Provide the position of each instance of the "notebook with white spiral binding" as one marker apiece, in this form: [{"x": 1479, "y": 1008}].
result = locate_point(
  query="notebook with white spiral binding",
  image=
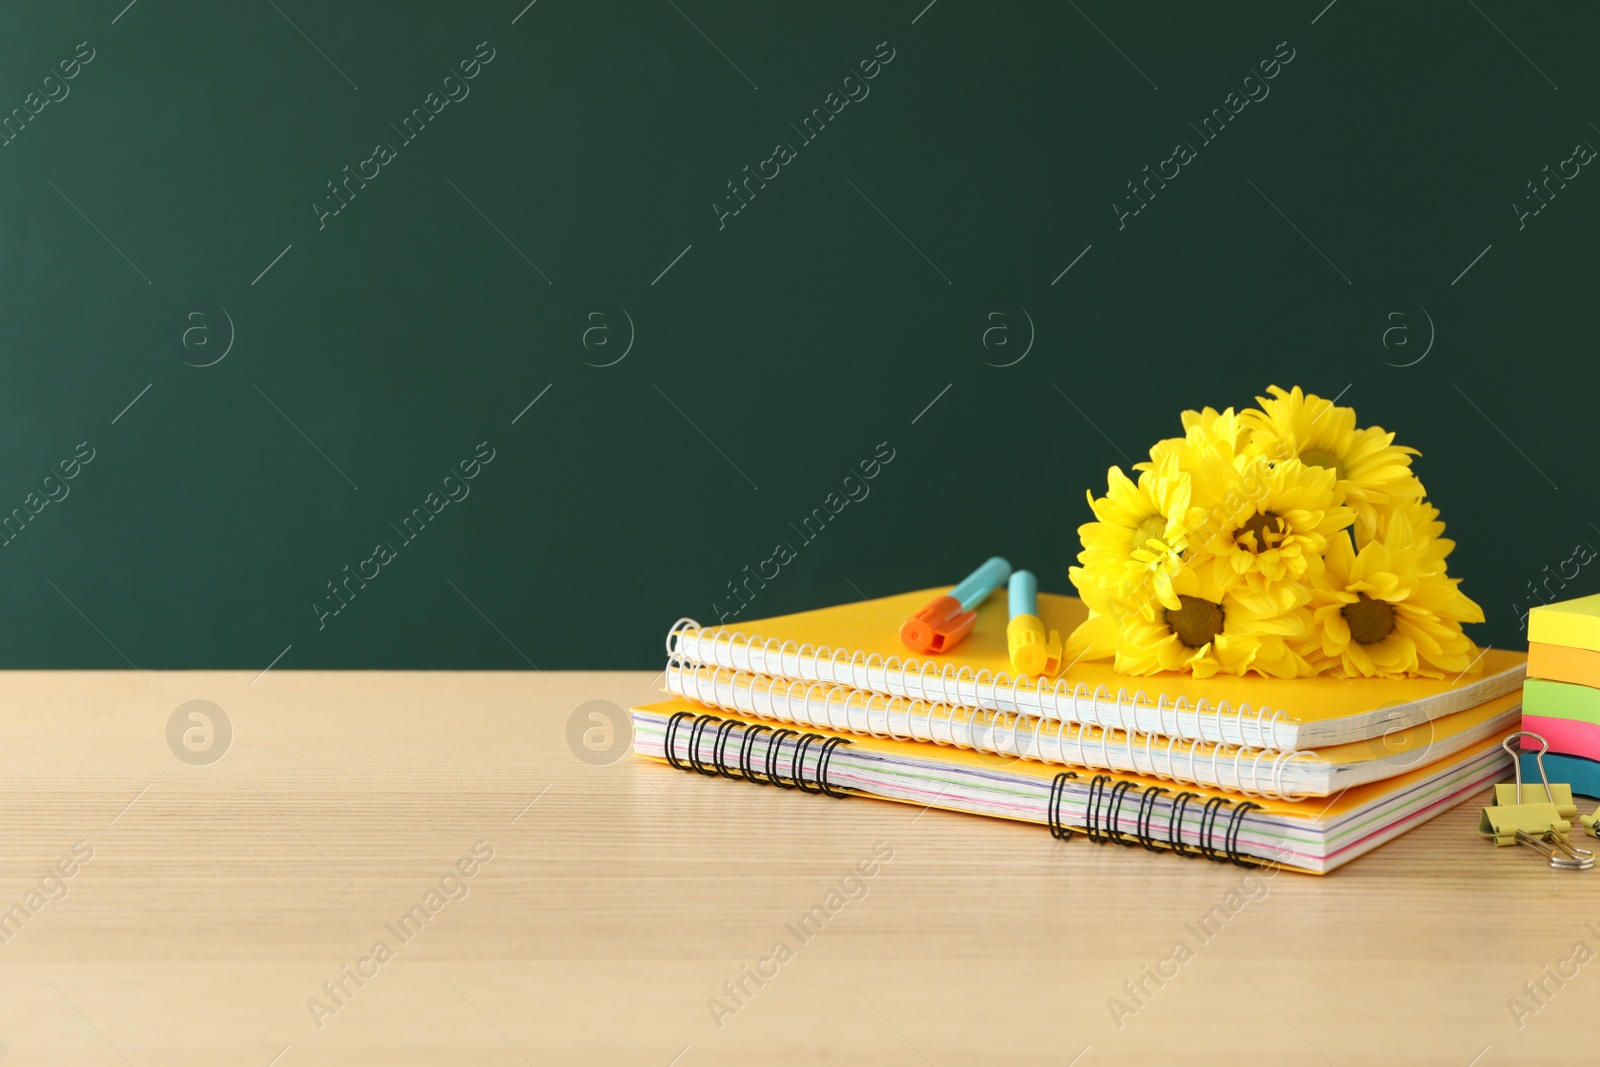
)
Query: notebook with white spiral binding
[
  {"x": 1314, "y": 835},
  {"x": 1241, "y": 769},
  {"x": 857, "y": 645}
]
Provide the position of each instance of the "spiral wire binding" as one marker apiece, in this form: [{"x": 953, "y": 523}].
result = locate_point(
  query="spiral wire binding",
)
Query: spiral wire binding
[
  {"x": 1114, "y": 816},
  {"x": 921, "y": 679},
  {"x": 1103, "y": 813},
  {"x": 1058, "y": 796},
  {"x": 747, "y": 747},
  {"x": 696, "y": 730},
  {"x": 951, "y": 683},
  {"x": 1147, "y": 810},
  {"x": 847, "y": 709},
  {"x": 799, "y": 761},
  {"x": 1208, "y": 826},
  {"x": 1091, "y": 812},
  {"x": 763, "y": 770},
  {"x": 1231, "y": 841},
  {"x": 1175, "y": 824},
  {"x": 774, "y": 750},
  {"x": 718, "y": 753}
]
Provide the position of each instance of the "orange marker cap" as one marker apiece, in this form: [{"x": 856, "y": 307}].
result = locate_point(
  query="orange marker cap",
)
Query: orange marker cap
[{"x": 937, "y": 626}]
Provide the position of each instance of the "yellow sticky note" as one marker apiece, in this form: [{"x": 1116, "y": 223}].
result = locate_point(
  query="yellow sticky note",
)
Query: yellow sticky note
[{"x": 1572, "y": 623}]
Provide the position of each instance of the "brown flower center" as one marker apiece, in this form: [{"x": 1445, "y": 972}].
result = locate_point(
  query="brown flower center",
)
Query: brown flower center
[
  {"x": 1196, "y": 622},
  {"x": 1370, "y": 620},
  {"x": 1155, "y": 527},
  {"x": 1261, "y": 531}
]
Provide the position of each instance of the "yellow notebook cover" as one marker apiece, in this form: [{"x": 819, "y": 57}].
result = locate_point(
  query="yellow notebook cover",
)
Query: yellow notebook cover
[{"x": 858, "y": 645}]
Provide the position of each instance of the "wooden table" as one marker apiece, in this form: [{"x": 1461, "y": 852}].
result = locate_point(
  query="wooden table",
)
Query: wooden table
[{"x": 620, "y": 897}]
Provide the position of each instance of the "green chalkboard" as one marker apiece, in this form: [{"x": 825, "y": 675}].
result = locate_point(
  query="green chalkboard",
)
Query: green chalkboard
[{"x": 549, "y": 320}]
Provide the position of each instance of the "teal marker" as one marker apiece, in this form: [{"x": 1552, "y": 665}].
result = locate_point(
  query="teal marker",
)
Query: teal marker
[{"x": 976, "y": 587}]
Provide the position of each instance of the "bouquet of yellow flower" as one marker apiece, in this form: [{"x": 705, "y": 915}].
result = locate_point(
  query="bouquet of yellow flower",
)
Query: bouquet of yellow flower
[{"x": 1280, "y": 540}]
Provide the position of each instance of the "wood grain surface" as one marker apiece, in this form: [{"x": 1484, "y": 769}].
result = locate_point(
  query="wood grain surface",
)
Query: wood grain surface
[{"x": 618, "y": 898}]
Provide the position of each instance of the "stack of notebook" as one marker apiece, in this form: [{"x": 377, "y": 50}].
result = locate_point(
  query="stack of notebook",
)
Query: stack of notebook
[
  {"x": 1561, "y": 699},
  {"x": 1306, "y": 773}
]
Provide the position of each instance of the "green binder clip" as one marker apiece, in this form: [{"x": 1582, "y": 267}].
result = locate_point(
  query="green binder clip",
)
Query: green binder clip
[
  {"x": 1559, "y": 793},
  {"x": 1508, "y": 823}
]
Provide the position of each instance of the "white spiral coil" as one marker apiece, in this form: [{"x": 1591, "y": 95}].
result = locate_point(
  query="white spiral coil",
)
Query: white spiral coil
[
  {"x": 1243, "y": 769},
  {"x": 908, "y": 677}
]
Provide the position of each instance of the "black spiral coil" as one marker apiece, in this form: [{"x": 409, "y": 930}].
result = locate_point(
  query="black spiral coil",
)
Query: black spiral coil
[
  {"x": 763, "y": 768},
  {"x": 1102, "y": 819},
  {"x": 1058, "y": 796}
]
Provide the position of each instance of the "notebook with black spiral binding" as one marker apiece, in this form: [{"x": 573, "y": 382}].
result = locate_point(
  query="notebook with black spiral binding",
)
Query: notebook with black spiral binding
[{"x": 1314, "y": 835}]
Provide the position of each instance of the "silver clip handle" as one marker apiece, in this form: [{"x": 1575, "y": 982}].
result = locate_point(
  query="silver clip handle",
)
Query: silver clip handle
[
  {"x": 1567, "y": 858},
  {"x": 1516, "y": 762}
]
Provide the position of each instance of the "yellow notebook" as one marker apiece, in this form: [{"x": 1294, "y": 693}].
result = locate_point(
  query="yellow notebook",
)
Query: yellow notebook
[
  {"x": 1314, "y": 835},
  {"x": 1241, "y": 769},
  {"x": 858, "y": 645}
]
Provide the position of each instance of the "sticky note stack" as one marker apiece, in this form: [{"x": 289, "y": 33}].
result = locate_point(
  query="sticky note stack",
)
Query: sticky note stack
[{"x": 1561, "y": 698}]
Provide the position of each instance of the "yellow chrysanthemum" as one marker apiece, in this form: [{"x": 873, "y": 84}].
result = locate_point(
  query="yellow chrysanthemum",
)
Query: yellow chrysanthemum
[
  {"x": 1370, "y": 469},
  {"x": 1214, "y": 629},
  {"x": 1205, "y": 433},
  {"x": 1096, "y": 637},
  {"x": 1423, "y": 518},
  {"x": 1283, "y": 541},
  {"x": 1272, "y": 522},
  {"x": 1141, "y": 528},
  {"x": 1384, "y": 611}
]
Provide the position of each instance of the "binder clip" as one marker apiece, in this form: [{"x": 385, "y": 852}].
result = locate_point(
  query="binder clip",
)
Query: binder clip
[
  {"x": 1589, "y": 823},
  {"x": 1510, "y": 813},
  {"x": 1542, "y": 824},
  {"x": 1559, "y": 794}
]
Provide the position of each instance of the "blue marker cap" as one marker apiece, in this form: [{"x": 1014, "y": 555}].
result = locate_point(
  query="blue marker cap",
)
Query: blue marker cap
[{"x": 1022, "y": 596}]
